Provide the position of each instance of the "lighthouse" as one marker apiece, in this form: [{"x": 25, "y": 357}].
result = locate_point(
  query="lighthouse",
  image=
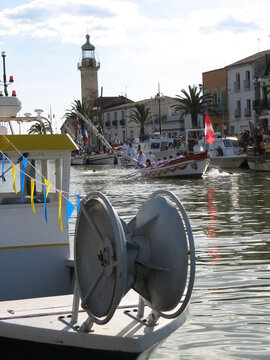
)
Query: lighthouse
[{"x": 89, "y": 79}]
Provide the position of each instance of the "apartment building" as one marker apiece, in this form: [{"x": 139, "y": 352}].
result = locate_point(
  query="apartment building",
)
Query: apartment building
[
  {"x": 164, "y": 120},
  {"x": 247, "y": 91}
]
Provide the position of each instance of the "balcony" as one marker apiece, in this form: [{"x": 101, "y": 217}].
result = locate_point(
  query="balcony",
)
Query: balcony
[
  {"x": 115, "y": 123},
  {"x": 247, "y": 112},
  {"x": 108, "y": 124},
  {"x": 259, "y": 105},
  {"x": 237, "y": 113},
  {"x": 122, "y": 122}
]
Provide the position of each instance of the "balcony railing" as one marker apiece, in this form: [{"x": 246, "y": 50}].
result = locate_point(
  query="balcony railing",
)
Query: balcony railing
[
  {"x": 122, "y": 122},
  {"x": 108, "y": 124},
  {"x": 247, "y": 112},
  {"x": 115, "y": 123}
]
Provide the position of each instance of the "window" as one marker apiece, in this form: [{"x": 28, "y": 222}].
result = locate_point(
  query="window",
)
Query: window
[
  {"x": 247, "y": 80},
  {"x": 237, "y": 82},
  {"x": 108, "y": 116},
  {"x": 248, "y": 108},
  {"x": 115, "y": 115},
  {"x": 237, "y": 112}
]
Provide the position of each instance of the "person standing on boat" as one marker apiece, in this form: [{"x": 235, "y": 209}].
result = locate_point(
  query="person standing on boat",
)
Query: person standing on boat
[
  {"x": 131, "y": 152},
  {"x": 125, "y": 147},
  {"x": 151, "y": 157},
  {"x": 141, "y": 159},
  {"x": 219, "y": 151}
]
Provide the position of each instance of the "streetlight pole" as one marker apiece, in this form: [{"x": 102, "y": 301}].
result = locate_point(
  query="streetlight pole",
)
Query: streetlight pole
[
  {"x": 158, "y": 98},
  {"x": 203, "y": 109},
  {"x": 4, "y": 73}
]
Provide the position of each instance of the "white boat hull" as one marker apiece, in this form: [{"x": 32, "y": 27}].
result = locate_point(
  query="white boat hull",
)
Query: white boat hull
[
  {"x": 263, "y": 165},
  {"x": 78, "y": 160},
  {"x": 234, "y": 161},
  {"x": 186, "y": 166}
]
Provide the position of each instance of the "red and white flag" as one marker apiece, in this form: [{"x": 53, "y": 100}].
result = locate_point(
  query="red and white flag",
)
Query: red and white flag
[{"x": 209, "y": 131}]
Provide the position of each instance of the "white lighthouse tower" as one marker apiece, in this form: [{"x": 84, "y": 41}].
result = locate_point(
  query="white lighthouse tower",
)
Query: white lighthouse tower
[{"x": 89, "y": 79}]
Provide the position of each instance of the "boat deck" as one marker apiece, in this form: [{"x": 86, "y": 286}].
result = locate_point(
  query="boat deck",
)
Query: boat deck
[{"x": 48, "y": 320}]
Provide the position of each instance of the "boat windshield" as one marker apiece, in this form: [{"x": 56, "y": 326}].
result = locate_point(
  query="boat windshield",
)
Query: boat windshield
[
  {"x": 155, "y": 145},
  {"x": 227, "y": 143},
  {"x": 235, "y": 143}
]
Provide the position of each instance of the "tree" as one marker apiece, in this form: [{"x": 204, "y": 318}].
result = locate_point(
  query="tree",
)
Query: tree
[
  {"x": 141, "y": 115},
  {"x": 38, "y": 128},
  {"x": 83, "y": 109},
  {"x": 192, "y": 102},
  {"x": 79, "y": 106}
]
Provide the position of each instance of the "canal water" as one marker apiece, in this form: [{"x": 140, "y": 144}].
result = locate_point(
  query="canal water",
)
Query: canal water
[{"x": 230, "y": 217}]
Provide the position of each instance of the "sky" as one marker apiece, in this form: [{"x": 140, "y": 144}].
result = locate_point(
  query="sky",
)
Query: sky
[{"x": 139, "y": 44}]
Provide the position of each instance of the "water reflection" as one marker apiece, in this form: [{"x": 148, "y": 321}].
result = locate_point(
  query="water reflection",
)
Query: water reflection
[{"x": 229, "y": 215}]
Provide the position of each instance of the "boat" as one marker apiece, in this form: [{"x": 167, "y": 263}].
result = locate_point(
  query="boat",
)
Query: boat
[
  {"x": 100, "y": 159},
  {"x": 183, "y": 166},
  {"x": 224, "y": 152},
  {"x": 258, "y": 155},
  {"x": 231, "y": 155},
  {"x": 122, "y": 293},
  {"x": 159, "y": 147},
  {"x": 78, "y": 159},
  {"x": 258, "y": 162}
]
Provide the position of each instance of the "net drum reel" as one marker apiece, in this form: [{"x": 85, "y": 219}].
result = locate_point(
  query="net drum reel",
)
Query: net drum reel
[{"x": 153, "y": 254}]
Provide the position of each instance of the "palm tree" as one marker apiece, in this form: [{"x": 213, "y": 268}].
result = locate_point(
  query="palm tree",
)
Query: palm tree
[
  {"x": 192, "y": 102},
  {"x": 83, "y": 109},
  {"x": 141, "y": 115},
  {"x": 39, "y": 128},
  {"x": 79, "y": 106}
]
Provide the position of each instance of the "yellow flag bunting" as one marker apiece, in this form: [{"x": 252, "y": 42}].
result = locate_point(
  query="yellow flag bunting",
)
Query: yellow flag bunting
[{"x": 47, "y": 185}]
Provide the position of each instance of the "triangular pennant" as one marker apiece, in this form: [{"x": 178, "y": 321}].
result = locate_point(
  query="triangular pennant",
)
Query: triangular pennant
[
  {"x": 45, "y": 203},
  {"x": 78, "y": 203},
  {"x": 60, "y": 211},
  {"x": 13, "y": 176},
  {"x": 32, "y": 195},
  {"x": 70, "y": 208},
  {"x": 24, "y": 165}
]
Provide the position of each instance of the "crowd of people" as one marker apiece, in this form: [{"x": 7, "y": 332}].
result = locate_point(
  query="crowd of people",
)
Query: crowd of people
[
  {"x": 141, "y": 159},
  {"x": 137, "y": 154}
]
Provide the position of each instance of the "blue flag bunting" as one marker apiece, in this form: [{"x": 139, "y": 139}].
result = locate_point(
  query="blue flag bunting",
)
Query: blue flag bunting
[
  {"x": 3, "y": 164},
  {"x": 24, "y": 165},
  {"x": 45, "y": 198},
  {"x": 78, "y": 203},
  {"x": 70, "y": 208}
]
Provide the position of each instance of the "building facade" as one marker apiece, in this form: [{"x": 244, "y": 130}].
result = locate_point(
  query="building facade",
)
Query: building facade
[
  {"x": 241, "y": 93},
  {"x": 164, "y": 120}
]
